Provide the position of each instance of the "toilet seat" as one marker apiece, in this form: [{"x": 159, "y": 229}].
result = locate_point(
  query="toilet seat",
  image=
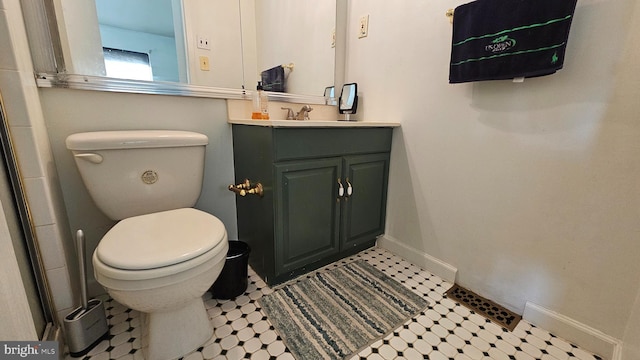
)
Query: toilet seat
[{"x": 160, "y": 239}]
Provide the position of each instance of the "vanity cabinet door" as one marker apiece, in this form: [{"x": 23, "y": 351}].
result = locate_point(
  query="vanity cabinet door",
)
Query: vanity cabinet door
[
  {"x": 307, "y": 210},
  {"x": 364, "y": 210}
]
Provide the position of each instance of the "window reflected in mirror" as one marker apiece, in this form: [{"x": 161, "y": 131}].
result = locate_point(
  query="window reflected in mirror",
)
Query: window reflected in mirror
[
  {"x": 125, "y": 64},
  {"x": 142, "y": 27}
]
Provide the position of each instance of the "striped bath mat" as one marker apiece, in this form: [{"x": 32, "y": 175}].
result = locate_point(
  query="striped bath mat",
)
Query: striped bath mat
[{"x": 335, "y": 313}]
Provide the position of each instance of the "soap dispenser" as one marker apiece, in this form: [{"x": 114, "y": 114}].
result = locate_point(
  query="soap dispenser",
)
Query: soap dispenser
[{"x": 260, "y": 103}]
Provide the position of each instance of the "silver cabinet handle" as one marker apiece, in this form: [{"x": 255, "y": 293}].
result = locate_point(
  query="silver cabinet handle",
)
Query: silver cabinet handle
[
  {"x": 349, "y": 187},
  {"x": 340, "y": 189}
]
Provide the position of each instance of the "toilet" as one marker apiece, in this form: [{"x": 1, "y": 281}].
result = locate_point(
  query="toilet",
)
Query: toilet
[{"x": 162, "y": 255}]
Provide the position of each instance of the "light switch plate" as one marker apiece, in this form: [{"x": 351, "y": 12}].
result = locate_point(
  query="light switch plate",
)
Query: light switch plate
[{"x": 363, "y": 28}]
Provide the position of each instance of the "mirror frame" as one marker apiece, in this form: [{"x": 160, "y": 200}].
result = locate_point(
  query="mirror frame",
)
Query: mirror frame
[{"x": 45, "y": 45}]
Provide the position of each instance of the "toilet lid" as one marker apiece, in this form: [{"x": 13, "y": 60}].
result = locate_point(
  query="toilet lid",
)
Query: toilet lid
[{"x": 160, "y": 239}]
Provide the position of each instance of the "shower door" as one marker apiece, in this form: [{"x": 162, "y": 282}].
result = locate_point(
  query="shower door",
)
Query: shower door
[{"x": 22, "y": 236}]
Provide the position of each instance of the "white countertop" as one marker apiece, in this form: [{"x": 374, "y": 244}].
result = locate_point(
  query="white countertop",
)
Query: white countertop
[{"x": 312, "y": 123}]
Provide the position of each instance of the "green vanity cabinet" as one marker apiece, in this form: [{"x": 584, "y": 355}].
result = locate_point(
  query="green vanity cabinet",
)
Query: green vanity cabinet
[{"x": 324, "y": 194}]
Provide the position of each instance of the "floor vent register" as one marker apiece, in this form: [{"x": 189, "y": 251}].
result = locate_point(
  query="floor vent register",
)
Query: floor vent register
[{"x": 484, "y": 307}]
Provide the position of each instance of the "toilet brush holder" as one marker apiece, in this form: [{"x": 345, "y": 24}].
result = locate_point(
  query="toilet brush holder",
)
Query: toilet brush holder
[
  {"x": 85, "y": 328},
  {"x": 87, "y": 325}
]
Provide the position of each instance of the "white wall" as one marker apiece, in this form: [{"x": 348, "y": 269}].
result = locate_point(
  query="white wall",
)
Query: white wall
[
  {"x": 70, "y": 111},
  {"x": 299, "y": 32},
  {"x": 531, "y": 190},
  {"x": 213, "y": 19}
]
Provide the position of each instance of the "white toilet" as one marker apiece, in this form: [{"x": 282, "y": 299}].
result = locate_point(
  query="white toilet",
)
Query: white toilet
[{"x": 163, "y": 255}]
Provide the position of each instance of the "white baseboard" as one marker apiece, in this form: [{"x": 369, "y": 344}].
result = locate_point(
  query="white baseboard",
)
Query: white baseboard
[
  {"x": 578, "y": 333},
  {"x": 419, "y": 258}
]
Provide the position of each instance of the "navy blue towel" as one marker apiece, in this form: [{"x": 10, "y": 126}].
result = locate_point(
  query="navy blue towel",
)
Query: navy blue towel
[
  {"x": 273, "y": 79},
  {"x": 506, "y": 39}
]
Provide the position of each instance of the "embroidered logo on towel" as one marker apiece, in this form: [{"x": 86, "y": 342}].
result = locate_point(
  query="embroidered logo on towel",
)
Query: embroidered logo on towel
[{"x": 500, "y": 44}]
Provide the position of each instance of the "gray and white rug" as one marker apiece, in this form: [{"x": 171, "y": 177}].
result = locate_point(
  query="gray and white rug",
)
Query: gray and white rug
[{"x": 335, "y": 313}]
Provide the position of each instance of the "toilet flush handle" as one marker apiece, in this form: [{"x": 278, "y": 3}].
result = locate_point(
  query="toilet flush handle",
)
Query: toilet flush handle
[{"x": 90, "y": 157}]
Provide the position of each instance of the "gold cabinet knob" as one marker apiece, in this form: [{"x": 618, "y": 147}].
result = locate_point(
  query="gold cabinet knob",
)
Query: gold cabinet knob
[{"x": 245, "y": 188}]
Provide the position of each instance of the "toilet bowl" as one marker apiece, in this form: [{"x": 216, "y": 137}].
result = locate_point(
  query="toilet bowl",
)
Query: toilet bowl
[{"x": 164, "y": 279}]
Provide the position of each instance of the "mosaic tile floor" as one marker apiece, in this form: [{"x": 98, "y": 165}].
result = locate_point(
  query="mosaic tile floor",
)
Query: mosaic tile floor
[{"x": 445, "y": 330}]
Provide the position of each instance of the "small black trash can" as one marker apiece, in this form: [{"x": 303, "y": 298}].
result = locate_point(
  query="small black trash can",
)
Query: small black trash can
[{"x": 233, "y": 278}]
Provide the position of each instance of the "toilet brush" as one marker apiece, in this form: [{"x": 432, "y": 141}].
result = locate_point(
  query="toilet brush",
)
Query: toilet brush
[{"x": 85, "y": 326}]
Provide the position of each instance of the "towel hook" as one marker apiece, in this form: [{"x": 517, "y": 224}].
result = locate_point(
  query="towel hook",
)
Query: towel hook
[
  {"x": 289, "y": 66},
  {"x": 449, "y": 14}
]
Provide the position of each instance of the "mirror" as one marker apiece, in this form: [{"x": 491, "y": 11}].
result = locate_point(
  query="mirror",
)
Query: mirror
[
  {"x": 330, "y": 95},
  {"x": 222, "y": 43},
  {"x": 299, "y": 36},
  {"x": 348, "y": 99}
]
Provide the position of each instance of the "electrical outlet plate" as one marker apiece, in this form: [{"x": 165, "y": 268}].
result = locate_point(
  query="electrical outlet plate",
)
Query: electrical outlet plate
[
  {"x": 203, "y": 42},
  {"x": 204, "y": 63},
  {"x": 363, "y": 27}
]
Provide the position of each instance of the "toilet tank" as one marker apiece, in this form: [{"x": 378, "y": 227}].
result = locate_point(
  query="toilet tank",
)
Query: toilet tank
[{"x": 130, "y": 173}]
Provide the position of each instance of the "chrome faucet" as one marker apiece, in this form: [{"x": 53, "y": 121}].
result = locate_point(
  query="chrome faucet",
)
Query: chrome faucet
[{"x": 303, "y": 114}]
